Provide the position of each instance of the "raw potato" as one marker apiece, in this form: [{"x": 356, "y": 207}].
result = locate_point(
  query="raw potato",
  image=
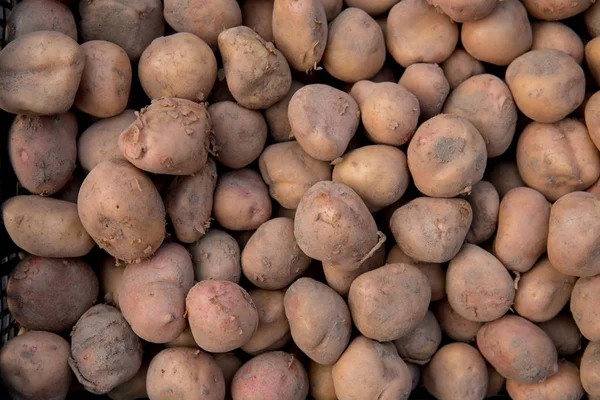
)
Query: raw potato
[
  {"x": 322, "y": 333},
  {"x": 485, "y": 203},
  {"x": 50, "y": 294},
  {"x": 323, "y": 120},
  {"x": 257, "y": 74},
  {"x": 389, "y": 302},
  {"x": 40, "y": 73},
  {"x": 290, "y": 172},
  {"x": 544, "y": 73},
  {"x": 422, "y": 342},
  {"x": 300, "y": 32},
  {"x": 239, "y": 134},
  {"x": 135, "y": 388},
  {"x": 446, "y": 156},
  {"x": 332, "y": 9},
  {"x": 104, "y": 350},
  {"x": 417, "y": 32},
  {"x": 486, "y": 102},
  {"x": 431, "y": 230},
  {"x": 216, "y": 255},
  {"x": 460, "y": 66},
  {"x": 189, "y": 202},
  {"x": 277, "y": 115},
  {"x": 183, "y": 151},
  {"x": 415, "y": 373},
  {"x": 592, "y": 20},
  {"x": 272, "y": 259},
  {"x": 558, "y": 36},
  {"x": 592, "y": 118},
  {"x": 34, "y": 366},
  {"x": 495, "y": 382},
  {"x": 453, "y": 325},
  {"x": 185, "y": 339},
  {"x": 46, "y": 227},
  {"x": 40, "y": 15},
  {"x": 429, "y": 84},
  {"x": 229, "y": 364},
  {"x": 258, "y": 15},
  {"x": 321, "y": 381},
  {"x": 273, "y": 327},
  {"x": 457, "y": 371},
  {"x": 185, "y": 373},
  {"x": 590, "y": 362},
  {"x": 43, "y": 151},
  {"x": 564, "y": 384},
  {"x": 565, "y": 334},
  {"x": 518, "y": 349},
  {"x": 505, "y": 177},
  {"x": 373, "y": 7},
  {"x": 479, "y": 288},
  {"x": 355, "y": 46},
  {"x": 70, "y": 191},
  {"x": 110, "y": 275},
  {"x": 221, "y": 314},
  {"x": 272, "y": 375},
  {"x": 465, "y": 11},
  {"x": 241, "y": 200},
  {"x": 542, "y": 292},
  {"x": 523, "y": 220},
  {"x": 584, "y": 298},
  {"x": 592, "y": 57},
  {"x": 100, "y": 141},
  {"x": 122, "y": 211},
  {"x": 204, "y": 18},
  {"x": 369, "y": 370},
  {"x": 180, "y": 65},
  {"x": 131, "y": 24},
  {"x": 341, "y": 280},
  {"x": 553, "y": 10}
]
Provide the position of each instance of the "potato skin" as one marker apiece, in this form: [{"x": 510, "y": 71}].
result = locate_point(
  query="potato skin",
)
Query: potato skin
[
  {"x": 453, "y": 325},
  {"x": 485, "y": 203},
  {"x": 273, "y": 330},
  {"x": 460, "y": 66},
  {"x": 583, "y": 299},
  {"x": 422, "y": 342},
  {"x": 258, "y": 15},
  {"x": 518, "y": 349},
  {"x": 592, "y": 118},
  {"x": 590, "y": 362},
  {"x": 229, "y": 363},
  {"x": 554, "y": 10},
  {"x": 110, "y": 274},
  {"x": 26, "y": 70},
  {"x": 40, "y": 15},
  {"x": 465, "y": 11},
  {"x": 372, "y": 7},
  {"x": 341, "y": 280},
  {"x": 505, "y": 177},
  {"x": 34, "y": 366},
  {"x": 277, "y": 115},
  {"x": 564, "y": 384},
  {"x": 321, "y": 381},
  {"x": 556, "y": 35},
  {"x": 564, "y": 333},
  {"x": 429, "y": 84},
  {"x": 496, "y": 382},
  {"x": 135, "y": 387},
  {"x": 216, "y": 255}
]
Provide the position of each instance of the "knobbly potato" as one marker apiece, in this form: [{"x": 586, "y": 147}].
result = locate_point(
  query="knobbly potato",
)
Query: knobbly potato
[
  {"x": 43, "y": 151},
  {"x": 34, "y": 366},
  {"x": 584, "y": 297},
  {"x": 110, "y": 275},
  {"x": 277, "y": 115},
  {"x": 453, "y": 325},
  {"x": 40, "y": 15},
  {"x": 446, "y": 156},
  {"x": 183, "y": 152},
  {"x": 556, "y": 35},
  {"x": 273, "y": 327},
  {"x": 485, "y": 203},
  {"x": 422, "y": 342},
  {"x": 122, "y": 211},
  {"x": 216, "y": 255},
  {"x": 486, "y": 102},
  {"x": 322, "y": 333},
  {"x": 505, "y": 177},
  {"x": 460, "y": 66},
  {"x": 536, "y": 80},
  {"x": 590, "y": 362},
  {"x": 565, "y": 384},
  {"x": 564, "y": 333},
  {"x": 465, "y": 11},
  {"x": 40, "y": 73},
  {"x": 180, "y": 65},
  {"x": 411, "y": 36},
  {"x": 431, "y": 230},
  {"x": 429, "y": 84},
  {"x": 355, "y": 46},
  {"x": 518, "y": 349},
  {"x": 257, "y": 74},
  {"x": 258, "y": 15},
  {"x": 553, "y": 10},
  {"x": 321, "y": 381}
]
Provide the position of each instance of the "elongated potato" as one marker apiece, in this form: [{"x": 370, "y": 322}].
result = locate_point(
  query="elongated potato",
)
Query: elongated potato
[
  {"x": 216, "y": 255},
  {"x": 422, "y": 342},
  {"x": 273, "y": 330},
  {"x": 564, "y": 333},
  {"x": 258, "y": 15},
  {"x": 565, "y": 384},
  {"x": 485, "y": 203},
  {"x": 40, "y": 15},
  {"x": 453, "y": 325},
  {"x": 429, "y": 84},
  {"x": 460, "y": 66},
  {"x": 583, "y": 299},
  {"x": 277, "y": 116}
]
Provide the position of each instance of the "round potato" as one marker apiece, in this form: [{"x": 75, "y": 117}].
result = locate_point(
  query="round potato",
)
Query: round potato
[
  {"x": 590, "y": 362},
  {"x": 185, "y": 339},
  {"x": 465, "y": 11},
  {"x": 40, "y": 15},
  {"x": 564, "y": 333},
  {"x": 422, "y": 342},
  {"x": 273, "y": 330},
  {"x": 553, "y": 10},
  {"x": 485, "y": 203},
  {"x": 321, "y": 381},
  {"x": 258, "y": 15},
  {"x": 453, "y": 325},
  {"x": 429, "y": 84},
  {"x": 558, "y": 36},
  {"x": 505, "y": 177},
  {"x": 277, "y": 115},
  {"x": 216, "y": 255},
  {"x": 565, "y": 384},
  {"x": 460, "y": 66},
  {"x": 584, "y": 296},
  {"x": 592, "y": 20}
]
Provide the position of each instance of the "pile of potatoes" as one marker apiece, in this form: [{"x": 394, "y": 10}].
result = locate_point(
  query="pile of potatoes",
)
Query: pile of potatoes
[{"x": 291, "y": 199}]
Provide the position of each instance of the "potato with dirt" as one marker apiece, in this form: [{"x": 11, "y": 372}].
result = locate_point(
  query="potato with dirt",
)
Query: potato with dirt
[
  {"x": 216, "y": 255},
  {"x": 422, "y": 342},
  {"x": 485, "y": 203},
  {"x": 372, "y": 7},
  {"x": 558, "y": 36},
  {"x": 340, "y": 280},
  {"x": 588, "y": 373},
  {"x": 273, "y": 330},
  {"x": 258, "y": 15},
  {"x": 505, "y": 177},
  {"x": 460, "y": 66},
  {"x": 277, "y": 116},
  {"x": 429, "y": 84},
  {"x": 565, "y": 384},
  {"x": 553, "y": 10},
  {"x": 453, "y": 324},
  {"x": 40, "y": 15},
  {"x": 564, "y": 333},
  {"x": 584, "y": 296}
]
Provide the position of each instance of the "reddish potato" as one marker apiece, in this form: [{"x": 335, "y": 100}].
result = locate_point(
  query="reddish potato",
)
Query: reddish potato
[
  {"x": 565, "y": 384},
  {"x": 453, "y": 325},
  {"x": 273, "y": 330},
  {"x": 229, "y": 364},
  {"x": 429, "y": 84},
  {"x": 460, "y": 66},
  {"x": 465, "y": 11},
  {"x": 565, "y": 334},
  {"x": 584, "y": 296},
  {"x": 590, "y": 362},
  {"x": 258, "y": 15},
  {"x": 321, "y": 381},
  {"x": 505, "y": 177},
  {"x": 556, "y": 35},
  {"x": 485, "y": 203},
  {"x": 422, "y": 342},
  {"x": 277, "y": 115},
  {"x": 40, "y": 15},
  {"x": 553, "y": 10},
  {"x": 216, "y": 255}
]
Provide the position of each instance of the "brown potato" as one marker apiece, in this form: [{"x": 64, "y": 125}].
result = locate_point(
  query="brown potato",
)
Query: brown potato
[
  {"x": 40, "y": 73},
  {"x": 553, "y": 10},
  {"x": 592, "y": 20},
  {"x": 40, "y": 15},
  {"x": 564, "y": 384},
  {"x": 446, "y": 156},
  {"x": 70, "y": 191},
  {"x": 321, "y": 381},
  {"x": 564, "y": 333},
  {"x": 465, "y": 11},
  {"x": 229, "y": 363},
  {"x": 258, "y": 15},
  {"x": 135, "y": 388},
  {"x": 216, "y": 255},
  {"x": 505, "y": 177},
  {"x": 277, "y": 115},
  {"x": 415, "y": 373},
  {"x": 453, "y": 325},
  {"x": 584, "y": 297},
  {"x": 429, "y": 84},
  {"x": 110, "y": 275},
  {"x": 273, "y": 330},
  {"x": 422, "y": 342},
  {"x": 485, "y": 203},
  {"x": 257, "y": 74},
  {"x": 592, "y": 118},
  {"x": 592, "y": 56},
  {"x": 495, "y": 382},
  {"x": 332, "y": 9},
  {"x": 558, "y": 36},
  {"x": 410, "y": 36},
  {"x": 180, "y": 65},
  {"x": 460, "y": 66},
  {"x": 372, "y": 7},
  {"x": 536, "y": 80},
  {"x": 486, "y": 102},
  {"x": 518, "y": 349},
  {"x": 590, "y": 362}
]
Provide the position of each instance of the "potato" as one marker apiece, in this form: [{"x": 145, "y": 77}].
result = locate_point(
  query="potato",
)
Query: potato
[
  {"x": 553, "y": 10},
  {"x": 183, "y": 152},
  {"x": 465, "y": 11},
  {"x": 100, "y": 141},
  {"x": 40, "y": 73},
  {"x": 422, "y": 342},
  {"x": 479, "y": 287},
  {"x": 431, "y": 230},
  {"x": 322, "y": 333},
  {"x": 180, "y": 65},
  {"x": 355, "y": 46},
  {"x": 456, "y": 371},
  {"x": 241, "y": 200},
  {"x": 257, "y": 74},
  {"x": 411, "y": 36},
  {"x": 34, "y": 366},
  {"x": 564, "y": 384},
  {"x": 505, "y": 177},
  {"x": 592, "y": 118},
  {"x": 104, "y": 350},
  {"x": 592, "y": 56},
  {"x": 321, "y": 381},
  {"x": 122, "y": 211},
  {"x": 485, "y": 203},
  {"x": 592, "y": 20},
  {"x": 258, "y": 15},
  {"x": 229, "y": 364},
  {"x": 495, "y": 382},
  {"x": 429, "y": 84},
  {"x": 185, "y": 339},
  {"x": 332, "y": 9},
  {"x": 184, "y": 373},
  {"x": 43, "y": 151},
  {"x": 216, "y": 255},
  {"x": 40, "y": 15},
  {"x": 221, "y": 314},
  {"x": 590, "y": 362},
  {"x": 273, "y": 327},
  {"x": 272, "y": 375},
  {"x": 544, "y": 72},
  {"x": 460, "y": 66},
  {"x": 518, "y": 349},
  {"x": 277, "y": 115},
  {"x": 135, "y": 388},
  {"x": 131, "y": 24},
  {"x": 110, "y": 275},
  {"x": 333, "y": 225},
  {"x": 446, "y": 156},
  {"x": 486, "y": 102},
  {"x": 507, "y": 34},
  {"x": 558, "y": 36},
  {"x": 372, "y": 7},
  {"x": 453, "y": 325},
  {"x": 370, "y": 370},
  {"x": 70, "y": 191},
  {"x": 583, "y": 299},
  {"x": 415, "y": 373},
  {"x": 323, "y": 120},
  {"x": 564, "y": 333}
]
